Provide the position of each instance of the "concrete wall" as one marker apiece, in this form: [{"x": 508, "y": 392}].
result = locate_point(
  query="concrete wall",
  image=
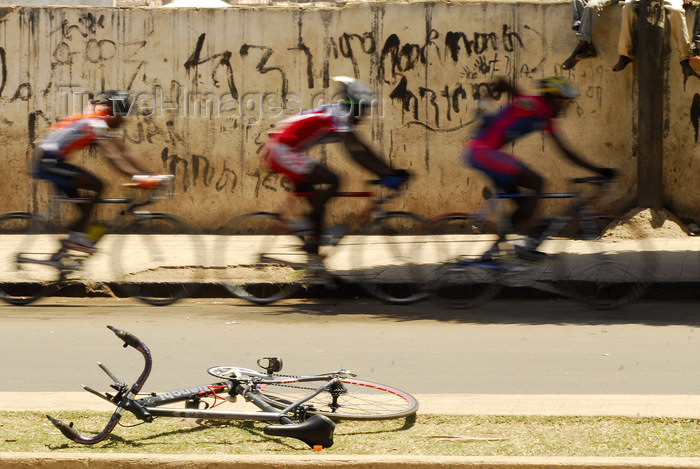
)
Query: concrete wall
[
  {"x": 426, "y": 61},
  {"x": 55, "y": 3}
]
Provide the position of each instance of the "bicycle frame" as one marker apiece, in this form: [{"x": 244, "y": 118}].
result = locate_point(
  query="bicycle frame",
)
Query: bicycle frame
[
  {"x": 575, "y": 255},
  {"x": 576, "y": 210},
  {"x": 71, "y": 261},
  {"x": 132, "y": 204},
  {"x": 315, "y": 431},
  {"x": 374, "y": 210},
  {"x": 45, "y": 264}
]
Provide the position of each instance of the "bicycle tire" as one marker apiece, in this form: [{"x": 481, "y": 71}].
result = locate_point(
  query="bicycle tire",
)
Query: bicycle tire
[
  {"x": 242, "y": 269},
  {"x": 24, "y": 283},
  {"x": 606, "y": 264},
  {"x": 355, "y": 400},
  {"x": 158, "y": 258},
  {"x": 385, "y": 258},
  {"x": 458, "y": 278}
]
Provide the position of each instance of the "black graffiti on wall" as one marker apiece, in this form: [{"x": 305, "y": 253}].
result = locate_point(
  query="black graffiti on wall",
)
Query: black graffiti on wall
[
  {"x": 87, "y": 25},
  {"x": 348, "y": 43},
  {"x": 397, "y": 57},
  {"x": 222, "y": 60},
  {"x": 434, "y": 105},
  {"x": 198, "y": 169},
  {"x": 262, "y": 56},
  {"x": 23, "y": 91},
  {"x": 80, "y": 44}
]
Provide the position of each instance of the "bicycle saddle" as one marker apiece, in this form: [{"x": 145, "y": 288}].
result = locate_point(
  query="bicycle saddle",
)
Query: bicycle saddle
[{"x": 315, "y": 431}]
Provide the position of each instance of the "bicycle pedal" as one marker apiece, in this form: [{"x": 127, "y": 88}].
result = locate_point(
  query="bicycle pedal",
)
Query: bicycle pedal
[{"x": 486, "y": 264}]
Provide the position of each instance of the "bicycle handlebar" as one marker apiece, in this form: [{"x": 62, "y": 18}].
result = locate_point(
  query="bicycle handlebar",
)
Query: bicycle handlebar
[
  {"x": 128, "y": 338},
  {"x": 123, "y": 400},
  {"x": 593, "y": 180}
]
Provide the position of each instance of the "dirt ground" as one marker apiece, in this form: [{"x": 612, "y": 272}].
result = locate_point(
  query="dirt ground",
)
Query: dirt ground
[{"x": 648, "y": 223}]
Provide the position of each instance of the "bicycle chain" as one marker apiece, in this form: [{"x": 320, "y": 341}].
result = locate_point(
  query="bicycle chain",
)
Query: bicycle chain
[{"x": 308, "y": 387}]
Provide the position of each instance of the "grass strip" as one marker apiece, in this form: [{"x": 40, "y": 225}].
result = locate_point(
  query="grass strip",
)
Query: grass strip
[{"x": 421, "y": 435}]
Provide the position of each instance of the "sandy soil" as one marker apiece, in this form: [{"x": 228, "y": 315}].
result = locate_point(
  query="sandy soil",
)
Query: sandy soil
[{"x": 648, "y": 223}]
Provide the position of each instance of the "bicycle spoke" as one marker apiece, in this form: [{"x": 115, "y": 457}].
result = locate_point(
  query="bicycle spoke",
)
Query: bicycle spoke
[
  {"x": 25, "y": 274},
  {"x": 384, "y": 258},
  {"x": 459, "y": 277},
  {"x": 258, "y": 261},
  {"x": 355, "y": 400},
  {"x": 159, "y": 260},
  {"x": 603, "y": 269}
]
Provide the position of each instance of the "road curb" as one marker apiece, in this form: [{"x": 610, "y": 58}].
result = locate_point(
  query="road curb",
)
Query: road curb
[
  {"x": 129, "y": 461},
  {"x": 681, "y": 406},
  {"x": 622, "y": 405}
]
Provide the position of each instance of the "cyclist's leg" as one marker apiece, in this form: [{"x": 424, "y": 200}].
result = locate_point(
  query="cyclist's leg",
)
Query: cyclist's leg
[
  {"x": 330, "y": 182},
  {"x": 93, "y": 185},
  {"x": 302, "y": 170},
  {"x": 507, "y": 174},
  {"x": 523, "y": 217},
  {"x": 67, "y": 179},
  {"x": 74, "y": 182}
]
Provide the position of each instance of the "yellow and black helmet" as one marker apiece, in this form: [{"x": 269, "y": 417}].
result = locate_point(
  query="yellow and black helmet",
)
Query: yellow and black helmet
[{"x": 558, "y": 88}]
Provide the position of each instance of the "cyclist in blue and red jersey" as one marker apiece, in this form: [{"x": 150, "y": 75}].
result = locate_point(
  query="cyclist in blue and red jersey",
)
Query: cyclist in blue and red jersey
[
  {"x": 285, "y": 153},
  {"x": 521, "y": 116},
  {"x": 96, "y": 126}
]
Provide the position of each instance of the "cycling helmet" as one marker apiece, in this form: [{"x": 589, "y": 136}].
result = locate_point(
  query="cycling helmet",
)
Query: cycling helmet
[
  {"x": 358, "y": 95},
  {"x": 114, "y": 103},
  {"x": 556, "y": 87}
]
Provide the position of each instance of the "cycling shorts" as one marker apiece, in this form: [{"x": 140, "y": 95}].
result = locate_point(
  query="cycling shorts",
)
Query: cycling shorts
[
  {"x": 499, "y": 166},
  {"x": 285, "y": 160},
  {"x": 51, "y": 167}
]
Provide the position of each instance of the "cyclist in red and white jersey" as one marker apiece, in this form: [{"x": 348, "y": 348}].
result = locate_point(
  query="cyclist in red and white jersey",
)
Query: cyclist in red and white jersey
[
  {"x": 285, "y": 153},
  {"x": 95, "y": 126}
]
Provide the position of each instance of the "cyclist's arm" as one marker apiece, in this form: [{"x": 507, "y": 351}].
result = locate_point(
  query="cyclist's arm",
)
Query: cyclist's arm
[
  {"x": 502, "y": 85},
  {"x": 115, "y": 150},
  {"x": 573, "y": 156},
  {"x": 364, "y": 156}
]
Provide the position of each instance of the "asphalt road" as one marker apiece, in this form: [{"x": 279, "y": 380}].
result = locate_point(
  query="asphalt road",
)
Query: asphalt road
[{"x": 506, "y": 347}]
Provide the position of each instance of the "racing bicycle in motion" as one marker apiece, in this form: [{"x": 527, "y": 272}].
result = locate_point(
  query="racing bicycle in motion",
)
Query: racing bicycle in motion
[
  {"x": 260, "y": 259},
  {"x": 153, "y": 256},
  {"x": 600, "y": 258}
]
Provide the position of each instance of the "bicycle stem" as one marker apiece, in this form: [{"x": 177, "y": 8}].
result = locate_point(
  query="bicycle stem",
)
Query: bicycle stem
[{"x": 125, "y": 403}]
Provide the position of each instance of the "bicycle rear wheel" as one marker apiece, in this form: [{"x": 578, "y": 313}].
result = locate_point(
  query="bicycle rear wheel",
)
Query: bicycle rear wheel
[
  {"x": 25, "y": 239},
  {"x": 605, "y": 262},
  {"x": 158, "y": 259},
  {"x": 383, "y": 258},
  {"x": 459, "y": 276},
  {"x": 259, "y": 260},
  {"x": 352, "y": 399}
]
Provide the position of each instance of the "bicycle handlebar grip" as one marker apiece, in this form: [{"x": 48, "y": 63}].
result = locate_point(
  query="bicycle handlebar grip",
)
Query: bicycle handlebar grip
[
  {"x": 127, "y": 337},
  {"x": 67, "y": 430}
]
